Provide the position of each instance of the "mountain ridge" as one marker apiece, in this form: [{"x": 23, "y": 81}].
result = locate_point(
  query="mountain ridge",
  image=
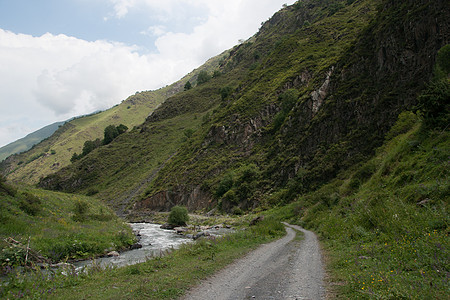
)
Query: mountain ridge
[
  {"x": 55, "y": 152},
  {"x": 25, "y": 143},
  {"x": 312, "y": 93}
]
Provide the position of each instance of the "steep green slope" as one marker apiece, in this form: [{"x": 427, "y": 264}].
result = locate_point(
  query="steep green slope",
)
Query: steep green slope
[
  {"x": 319, "y": 102},
  {"x": 27, "y": 142},
  {"x": 314, "y": 92},
  {"x": 56, "y": 151},
  {"x": 121, "y": 170},
  {"x": 58, "y": 226},
  {"x": 236, "y": 72},
  {"x": 385, "y": 223}
]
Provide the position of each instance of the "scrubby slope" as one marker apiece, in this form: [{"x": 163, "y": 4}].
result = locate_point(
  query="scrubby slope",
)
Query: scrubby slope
[
  {"x": 312, "y": 93},
  {"x": 320, "y": 101},
  {"x": 27, "y": 142},
  {"x": 58, "y": 226},
  {"x": 385, "y": 223},
  {"x": 55, "y": 152}
]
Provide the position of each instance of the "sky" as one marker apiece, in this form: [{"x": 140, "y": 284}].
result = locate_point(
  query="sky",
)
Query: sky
[{"x": 65, "y": 58}]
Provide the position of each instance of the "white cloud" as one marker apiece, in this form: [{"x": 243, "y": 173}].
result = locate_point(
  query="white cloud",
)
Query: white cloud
[
  {"x": 156, "y": 30},
  {"x": 54, "y": 77}
]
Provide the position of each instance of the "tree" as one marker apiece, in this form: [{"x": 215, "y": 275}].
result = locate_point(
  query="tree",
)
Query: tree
[
  {"x": 225, "y": 92},
  {"x": 203, "y": 77},
  {"x": 443, "y": 60},
  {"x": 187, "y": 86},
  {"x": 178, "y": 216},
  {"x": 434, "y": 104},
  {"x": 121, "y": 128},
  {"x": 110, "y": 134},
  {"x": 89, "y": 146},
  {"x": 434, "y": 101},
  {"x": 74, "y": 157}
]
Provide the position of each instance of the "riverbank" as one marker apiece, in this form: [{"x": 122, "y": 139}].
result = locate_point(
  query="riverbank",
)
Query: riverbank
[{"x": 163, "y": 277}]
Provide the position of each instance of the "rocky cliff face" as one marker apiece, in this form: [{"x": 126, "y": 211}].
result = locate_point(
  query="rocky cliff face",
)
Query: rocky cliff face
[{"x": 380, "y": 76}]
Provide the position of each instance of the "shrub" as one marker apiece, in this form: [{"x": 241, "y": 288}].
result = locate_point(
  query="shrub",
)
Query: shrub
[
  {"x": 225, "y": 185},
  {"x": 110, "y": 134},
  {"x": 30, "y": 204},
  {"x": 121, "y": 128},
  {"x": 203, "y": 77},
  {"x": 434, "y": 105},
  {"x": 178, "y": 216},
  {"x": 75, "y": 157},
  {"x": 225, "y": 92},
  {"x": 236, "y": 210},
  {"x": 6, "y": 188},
  {"x": 80, "y": 210},
  {"x": 443, "y": 60}
]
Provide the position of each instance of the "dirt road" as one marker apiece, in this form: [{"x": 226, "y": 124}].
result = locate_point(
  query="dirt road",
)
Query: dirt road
[{"x": 284, "y": 269}]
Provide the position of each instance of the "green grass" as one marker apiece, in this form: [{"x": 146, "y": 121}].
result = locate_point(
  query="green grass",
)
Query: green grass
[
  {"x": 286, "y": 50},
  {"x": 165, "y": 277},
  {"x": 55, "y": 152},
  {"x": 113, "y": 174},
  {"x": 49, "y": 222},
  {"x": 385, "y": 225}
]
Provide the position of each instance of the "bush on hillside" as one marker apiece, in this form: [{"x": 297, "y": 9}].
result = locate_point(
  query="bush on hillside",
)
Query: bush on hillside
[
  {"x": 30, "y": 204},
  {"x": 178, "y": 216},
  {"x": 187, "y": 86},
  {"x": 434, "y": 102},
  {"x": 6, "y": 188},
  {"x": 203, "y": 77},
  {"x": 80, "y": 210}
]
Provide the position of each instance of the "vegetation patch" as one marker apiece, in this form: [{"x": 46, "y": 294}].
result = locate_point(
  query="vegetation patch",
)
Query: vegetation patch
[
  {"x": 165, "y": 277},
  {"x": 56, "y": 226},
  {"x": 385, "y": 225}
]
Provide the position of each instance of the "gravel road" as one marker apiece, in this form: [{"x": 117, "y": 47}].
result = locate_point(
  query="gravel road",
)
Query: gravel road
[{"x": 284, "y": 269}]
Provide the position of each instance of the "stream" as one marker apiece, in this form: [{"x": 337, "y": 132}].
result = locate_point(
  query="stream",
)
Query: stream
[{"x": 154, "y": 240}]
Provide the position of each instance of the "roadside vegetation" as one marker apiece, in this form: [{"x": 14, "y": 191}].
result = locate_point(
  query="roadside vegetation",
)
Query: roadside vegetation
[
  {"x": 55, "y": 226},
  {"x": 385, "y": 224},
  {"x": 164, "y": 277}
]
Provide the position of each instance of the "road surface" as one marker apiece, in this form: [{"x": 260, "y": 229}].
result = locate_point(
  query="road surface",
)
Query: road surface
[{"x": 288, "y": 268}]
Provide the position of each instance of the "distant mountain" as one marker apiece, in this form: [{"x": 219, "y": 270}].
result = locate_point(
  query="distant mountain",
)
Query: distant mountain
[
  {"x": 55, "y": 152},
  {"x": 29, "y": 141}
]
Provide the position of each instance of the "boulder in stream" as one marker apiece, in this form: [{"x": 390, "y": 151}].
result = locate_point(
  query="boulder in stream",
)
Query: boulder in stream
[
  {"x": 113, "y": 253},
  {"x": 167, "y": 226}
]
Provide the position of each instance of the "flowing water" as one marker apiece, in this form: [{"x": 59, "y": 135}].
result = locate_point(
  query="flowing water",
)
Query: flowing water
[{"x": 154, "y": 240}]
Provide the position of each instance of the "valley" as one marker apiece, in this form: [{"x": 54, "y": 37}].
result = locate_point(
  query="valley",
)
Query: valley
[{"x": 333, "y": 117}]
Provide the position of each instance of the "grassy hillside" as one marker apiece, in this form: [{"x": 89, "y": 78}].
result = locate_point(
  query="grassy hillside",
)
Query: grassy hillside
[
  {"x": 250, "y": 78},
  {"x": 120, "y": 171},
  {"x": 27, "y": 142},
  {"x": 335, "y": 115},
  {"x": 59, "y": 226},
  {"x": 321, "y": 100},
  {"x": 311, "y": 94},
  {"x": 385, "y": 223},
  {"x": 55, "y": 152}
]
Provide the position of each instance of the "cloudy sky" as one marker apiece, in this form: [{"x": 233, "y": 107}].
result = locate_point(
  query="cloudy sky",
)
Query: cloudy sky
[{"x": 63, "y": 58}]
